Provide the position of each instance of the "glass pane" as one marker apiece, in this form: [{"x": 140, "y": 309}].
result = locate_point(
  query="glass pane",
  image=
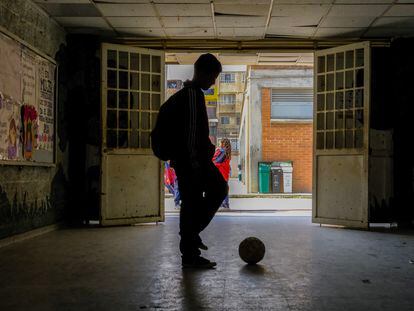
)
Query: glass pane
[
  {"x": 145, "y": 120},
  {"x": 153, "y": 119},
  {"x": 349, "y": 79},
  {"x": 134, "y": 61},
  {"x": 321, "y": 83},
  {"x": 145, "y": 101},
  {"x": 145, "y": 82},
  {"x": 329, "y": 120},
  {"x": 339, "y": 100},
  {"x": 339, "y": 61},
  {"x": 156, "y": 102},
  {"x": 321, "y": 102},
  {"x": 134, "y": 81},
  {"x": 329, "y": 140},
  {"x": 321, "y": 64},
  {"x": 330, "y": 62},
  {"x": 339, "y": 80},
  {"x": 123, "y": 60},
  {"x": 111, "y": 119},
  {"x": 349, "y": 139},
  {"x": 320, "y": 121},
  {"x": 111, "y": 59},
  {"x": 123, "y": 100},
  {"x": 359, "y": 138},
  {"x": 349, "y": 59},
  {"x": 145, "y": 142},
  {"x": 330, "y": 83},
  {"x": 359, "y": 77},
  {"x": 330, "y": 101},
  {"x": 134, "y": 122},
  {"x": 111, "y": 139},
  {"x": 156, "y": 64},
  {"x": 111, "y": 99},
  {"x": 359, "y": 58},
  {"x": 349, "y": 119},
  {"x": 123, "y": 79},
  {"x": 320, "y": 140},
  {"x": 339, "y": 139},
  {"x": 359, "y": 98},
  {"x": 134, "y": 139},
  {"x": 359, "y": 118},
  {"x": 134, "y": 100},
  {"x": 112, "y": 79},
  {"x": 122, "y": 139},
  {"x": 145, "y": 62},
  {"x": 155, "y": 83},
  {"x": 339, "y": 120},
  {"x": 123, "y": 119},
  {"x": 349, "y": 99}
]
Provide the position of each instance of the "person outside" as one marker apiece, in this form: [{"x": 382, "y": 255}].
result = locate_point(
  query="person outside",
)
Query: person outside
[
  {"x": 221, "y": 159},
  {"x": 170, "y": 181}
]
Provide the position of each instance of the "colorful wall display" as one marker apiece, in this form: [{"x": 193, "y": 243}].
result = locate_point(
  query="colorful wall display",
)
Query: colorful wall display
[{"x": 27, "y": 101}]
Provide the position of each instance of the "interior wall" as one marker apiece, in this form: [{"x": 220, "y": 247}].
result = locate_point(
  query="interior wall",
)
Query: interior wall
[{"x": 32, "y": 196}]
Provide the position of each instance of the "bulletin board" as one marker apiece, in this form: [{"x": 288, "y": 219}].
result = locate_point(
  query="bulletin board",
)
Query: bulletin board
[{"x": 27, "y": 104}]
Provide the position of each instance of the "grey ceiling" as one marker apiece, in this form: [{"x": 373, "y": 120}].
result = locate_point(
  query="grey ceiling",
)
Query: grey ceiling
[{"x": 232, "y": 19}]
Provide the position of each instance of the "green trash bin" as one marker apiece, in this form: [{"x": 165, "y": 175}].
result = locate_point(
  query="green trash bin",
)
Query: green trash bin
[{"x": 264, "y": 177}]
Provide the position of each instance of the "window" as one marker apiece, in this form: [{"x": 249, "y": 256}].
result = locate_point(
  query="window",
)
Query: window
[
  {"x": 234, "y": 144},
  {"x": 211, "y": 112},
  {"x": 243, "y": 77},
  {"x": 227, "y": 77},
  {"x": 228, "y": 99},
  {"x": 238, "y": 121},
  {"x": 295, "y": 104},
  {"x": 225, "y": 120}
]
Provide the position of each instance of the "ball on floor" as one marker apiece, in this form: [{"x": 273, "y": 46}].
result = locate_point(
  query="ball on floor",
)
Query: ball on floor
[{"x": 251, "y": 250}]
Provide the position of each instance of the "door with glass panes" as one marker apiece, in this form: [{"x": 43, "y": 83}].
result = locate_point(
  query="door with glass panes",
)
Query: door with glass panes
[
  {"x": 131, "y": 176},
  {"x": 341, "y": 135}
]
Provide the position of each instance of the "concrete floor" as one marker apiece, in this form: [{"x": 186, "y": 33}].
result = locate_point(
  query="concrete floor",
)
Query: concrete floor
[{"x": 306, "y": 267}]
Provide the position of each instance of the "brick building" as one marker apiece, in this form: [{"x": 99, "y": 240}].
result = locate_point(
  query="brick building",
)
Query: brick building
[{"x": 277, "y": 123}]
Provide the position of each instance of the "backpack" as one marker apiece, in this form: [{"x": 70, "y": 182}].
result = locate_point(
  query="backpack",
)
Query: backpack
[{"x": 162, "y": 144}]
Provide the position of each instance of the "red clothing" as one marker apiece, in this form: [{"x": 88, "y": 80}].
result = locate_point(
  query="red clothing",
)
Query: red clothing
[{"x": 223, "y": 165}]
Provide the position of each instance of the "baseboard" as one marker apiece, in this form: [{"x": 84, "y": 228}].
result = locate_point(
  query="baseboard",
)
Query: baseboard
[{"x": 29, "y": 234}]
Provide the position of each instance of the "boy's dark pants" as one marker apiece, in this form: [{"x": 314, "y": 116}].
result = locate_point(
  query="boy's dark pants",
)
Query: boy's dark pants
[{"x": 202, "y": 192}]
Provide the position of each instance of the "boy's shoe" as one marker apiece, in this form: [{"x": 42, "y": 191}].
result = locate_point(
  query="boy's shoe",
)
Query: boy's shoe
[
  {"x": 198, "y": 262},
  {"x": 202, "y": 246}
]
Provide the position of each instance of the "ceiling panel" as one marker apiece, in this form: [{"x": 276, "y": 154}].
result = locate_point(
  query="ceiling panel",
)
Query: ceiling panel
[
  {"x": 358, "y": 10},
  {"x": 240, "y": 32},
  {"x": 179, "y": 21},
  {"x": 121, "y": 1},
  {"x": 245, "y": 9},
  {"x": 184, "y": 9},
  {"x": 316, "y": 11},
  {"x": 389, "y": 32},
  {"x": 239, "y": 2},
  {"x": 339, "y": 32},
  {"x": 62, "y": 1},
  {"x": 401, "y": 10},
  {"x": 276, "y": 22},
  {"x": 142, "y": 21},
  {"x": 141, "y": 32},
  {"x": 291, "y": 31},
  {"x": 240, "y": 21},
  {"x": 68, "y": 9},
  {"x": 363, "y": 1},
  {"x": 190, "y": 32},
  {"x": 139, "y": 9},
  {"x": 394, "y": 22},
  {"x": 348, "y": 21},
  {"x": 302, "y": 1},
  {"x": 93, "y": 22}
]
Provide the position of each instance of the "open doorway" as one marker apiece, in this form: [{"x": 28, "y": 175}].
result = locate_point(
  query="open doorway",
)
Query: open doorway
[{"x": 262, "y": 103}]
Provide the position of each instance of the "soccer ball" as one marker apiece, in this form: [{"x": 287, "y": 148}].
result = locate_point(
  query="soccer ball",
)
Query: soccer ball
[{"x": 251, "y": 250}]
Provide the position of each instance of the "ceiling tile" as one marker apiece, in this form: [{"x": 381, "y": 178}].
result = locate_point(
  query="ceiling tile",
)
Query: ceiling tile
[
  {"x": 348, "y": 21},
  {"x": 139, "y": 9},
  {"x": 363, "y": 1},
  {"x": 179, "y": 21},
  {"x": 239, "y": 2},
  {"x": 142, "y": 21},
  {"x": 63, "y": 1},
  {"x": 93, "y": 22},
  {"x": 190, "y": 32},
  {"x": 184, "y": 9},
  {"x": 339, "y": 32},
  {"x": 181, "y": 1},
  {"x": 302, "y": 1},
  {"x": 240, "y": 21},
  {"x": 93, "y": 31},
  {"x": 276, "y": 22},
  {"x": 291, "y": 31},
  {"x": 232, "y": 32},
  {"x": 246, "y": 9},
  {"x": 121, "y": 1},
  {"x": 78, "y": 9},
  {"x": 401, "y": 10},
  {"x": 389, "y": 32},
  {"x": 357, "y": 10},
  {"x": 144, "y": 32},
  {"x": 305, "y": 11},
  {"x": 394, "y": 22}
]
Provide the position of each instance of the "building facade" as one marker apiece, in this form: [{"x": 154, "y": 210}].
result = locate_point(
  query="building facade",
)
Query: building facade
[{"x": 276, "y": 123}]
